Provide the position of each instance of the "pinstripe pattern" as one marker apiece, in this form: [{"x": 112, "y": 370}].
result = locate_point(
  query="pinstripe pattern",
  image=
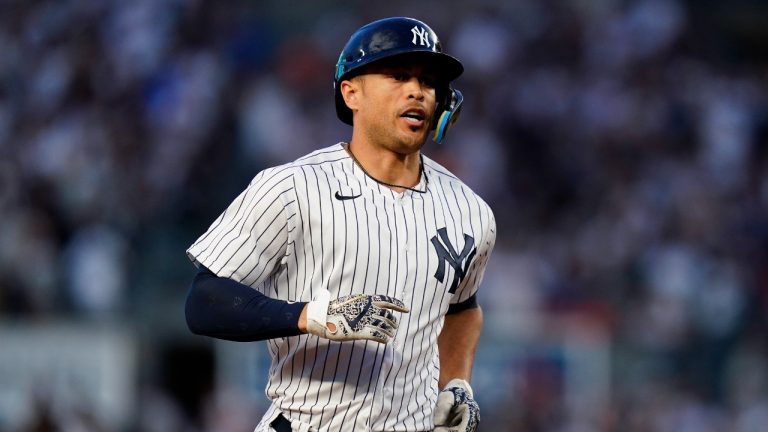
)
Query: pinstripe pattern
[{"x": 287, "y": 236}]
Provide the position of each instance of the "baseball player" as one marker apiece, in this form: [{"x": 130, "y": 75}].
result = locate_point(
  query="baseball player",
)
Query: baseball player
[{"x": 359, "y": 263}]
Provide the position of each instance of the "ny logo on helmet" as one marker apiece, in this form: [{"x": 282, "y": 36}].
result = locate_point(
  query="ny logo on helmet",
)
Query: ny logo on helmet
[{"x": 422, "y": 34}]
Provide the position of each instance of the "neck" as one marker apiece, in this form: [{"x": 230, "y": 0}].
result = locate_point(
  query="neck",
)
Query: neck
[{"x": 394, "y": 170}]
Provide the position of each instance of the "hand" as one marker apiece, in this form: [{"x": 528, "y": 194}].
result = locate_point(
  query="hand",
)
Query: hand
[
  {"x": 354, "y": 317},
  {"x": 456, "y": 409}
]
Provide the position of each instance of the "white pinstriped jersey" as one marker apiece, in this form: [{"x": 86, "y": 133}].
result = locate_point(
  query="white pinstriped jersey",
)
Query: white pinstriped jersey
[{"x": 289, "y": 234}]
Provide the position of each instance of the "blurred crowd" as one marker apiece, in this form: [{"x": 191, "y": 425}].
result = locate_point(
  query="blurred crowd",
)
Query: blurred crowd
[{"x": 621, "y": 144}]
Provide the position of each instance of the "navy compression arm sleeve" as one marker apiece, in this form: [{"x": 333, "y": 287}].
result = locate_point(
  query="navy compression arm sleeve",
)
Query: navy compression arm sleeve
[{"x": 224, "y": 309}]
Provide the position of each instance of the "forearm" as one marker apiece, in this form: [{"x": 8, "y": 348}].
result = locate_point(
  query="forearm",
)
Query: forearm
[
  {"x": 225, "y": 309},
  {"x": 457, "y": 344}
]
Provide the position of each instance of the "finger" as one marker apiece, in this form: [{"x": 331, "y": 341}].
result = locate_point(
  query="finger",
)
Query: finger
[
  {"x": 387, "y": 317},
  {"x": 378, "y": 325},
  {"x": 390, "y": 303},
  {"x": 346, "y": 300},
  {"x": 396, "y": 303},
  {"x": 443, "y": 408},
  {"x": 374, "y": 334},
  {"x": 460, "y": 416}
]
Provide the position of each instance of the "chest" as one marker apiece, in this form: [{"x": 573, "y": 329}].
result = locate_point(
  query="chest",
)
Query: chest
[{"x": 417, "y": 248}]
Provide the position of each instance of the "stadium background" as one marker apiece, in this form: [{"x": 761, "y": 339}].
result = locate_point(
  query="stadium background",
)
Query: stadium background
[{"x": 622, "y": 145}]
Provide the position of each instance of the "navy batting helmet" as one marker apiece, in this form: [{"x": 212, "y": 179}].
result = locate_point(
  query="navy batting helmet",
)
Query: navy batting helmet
[{"x": 401, "y": 36}]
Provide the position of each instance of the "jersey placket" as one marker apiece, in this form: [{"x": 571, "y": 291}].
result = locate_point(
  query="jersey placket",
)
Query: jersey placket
[{"x": 390, "y": 387}]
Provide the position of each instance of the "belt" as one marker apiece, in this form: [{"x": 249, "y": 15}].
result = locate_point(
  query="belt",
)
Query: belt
[{"x": 281, "y": 424}]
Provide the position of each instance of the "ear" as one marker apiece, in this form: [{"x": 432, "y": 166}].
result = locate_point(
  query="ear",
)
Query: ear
[{"x": 350, "y": 91}]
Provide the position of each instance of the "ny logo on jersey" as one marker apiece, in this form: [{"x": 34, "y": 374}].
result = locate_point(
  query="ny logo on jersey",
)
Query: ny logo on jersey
[
  {"x": 422, "y": 34},
  {"x": 447, "y": 253}
]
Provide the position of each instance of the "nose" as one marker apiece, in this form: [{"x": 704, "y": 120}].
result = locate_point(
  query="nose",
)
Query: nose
[{"x": 415, "y": 89}]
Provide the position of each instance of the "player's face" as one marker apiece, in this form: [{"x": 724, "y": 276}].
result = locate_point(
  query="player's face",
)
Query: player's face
[{"x": 397, "y": 105}]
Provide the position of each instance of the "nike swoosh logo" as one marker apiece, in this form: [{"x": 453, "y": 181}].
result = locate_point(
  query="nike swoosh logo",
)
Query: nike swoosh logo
[
  {"x": 355, "y": 322},
  {"x": 341, "y": 197}
]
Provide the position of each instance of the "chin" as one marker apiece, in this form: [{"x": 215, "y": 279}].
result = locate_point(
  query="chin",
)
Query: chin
[
  {"x": 409, "y": 144},
  {"x": 413, "y": 140}
]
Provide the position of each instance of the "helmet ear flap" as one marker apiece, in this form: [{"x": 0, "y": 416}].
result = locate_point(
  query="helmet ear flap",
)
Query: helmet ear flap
[{"x": 451, "y": 110}]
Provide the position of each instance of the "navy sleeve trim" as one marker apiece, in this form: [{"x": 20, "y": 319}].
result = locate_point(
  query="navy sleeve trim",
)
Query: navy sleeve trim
[
  {"x": 470, "y": 303},
  {"x": 225, "y": 309}
]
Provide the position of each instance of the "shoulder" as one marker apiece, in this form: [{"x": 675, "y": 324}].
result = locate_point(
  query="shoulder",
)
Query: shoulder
[
  {"x": 459, "y": 195},
  {"x": 449, "y": 183},
  {"x": 316, "y": 159},
  {"x": 327, "y": 155}
]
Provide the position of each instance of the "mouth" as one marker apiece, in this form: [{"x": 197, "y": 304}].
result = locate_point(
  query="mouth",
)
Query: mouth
[{"x": 414, "y": 117}]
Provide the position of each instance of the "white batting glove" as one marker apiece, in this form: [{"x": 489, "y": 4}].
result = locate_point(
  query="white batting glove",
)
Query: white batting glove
[
  {"x": 354, "y": 317},
  {"x": 456, "y": 409}
]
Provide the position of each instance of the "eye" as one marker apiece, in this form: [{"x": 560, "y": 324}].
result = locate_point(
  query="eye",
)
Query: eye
[
  {"x": 400, "y": 76},
  {"x": 428, "y": 81}
]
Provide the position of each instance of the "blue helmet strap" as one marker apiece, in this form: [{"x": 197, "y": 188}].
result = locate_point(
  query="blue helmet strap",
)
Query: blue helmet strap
[{"x": 449, "y": 115}]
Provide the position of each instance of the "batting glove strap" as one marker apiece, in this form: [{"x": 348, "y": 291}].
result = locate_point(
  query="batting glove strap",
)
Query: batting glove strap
[
  {"x": 354, "y": 317},
  {"x": 317, "y": 313},
  {"x": 462, "y": 384},
  {"x": 456, "y": 410}
]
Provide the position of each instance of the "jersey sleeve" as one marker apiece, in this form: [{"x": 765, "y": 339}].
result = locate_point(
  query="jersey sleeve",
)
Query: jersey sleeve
[
  {"x": 249, "y": 241},
  {"x": 471, "y": 282}
]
